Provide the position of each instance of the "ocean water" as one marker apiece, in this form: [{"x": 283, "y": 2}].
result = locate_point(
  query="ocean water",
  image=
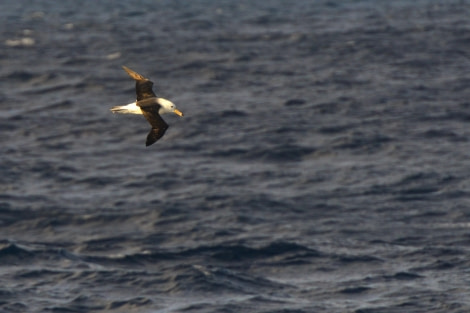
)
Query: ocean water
[{"x": 322, "y": 164}]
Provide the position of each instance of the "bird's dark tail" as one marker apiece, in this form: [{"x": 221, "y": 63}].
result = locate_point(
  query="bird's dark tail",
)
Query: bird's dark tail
[{"x": 154, "y": 135}]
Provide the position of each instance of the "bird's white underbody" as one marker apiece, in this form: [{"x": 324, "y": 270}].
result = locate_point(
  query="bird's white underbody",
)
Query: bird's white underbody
[{"x": 166, "y": 106}]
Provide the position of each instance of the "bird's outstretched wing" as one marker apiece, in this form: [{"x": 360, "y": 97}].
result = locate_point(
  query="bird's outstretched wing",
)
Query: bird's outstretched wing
[
  {"x": 143, "y": 86},
  {"x": 159, "y": 126}
]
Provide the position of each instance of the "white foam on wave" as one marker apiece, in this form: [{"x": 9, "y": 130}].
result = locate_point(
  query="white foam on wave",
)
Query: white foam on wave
[{"x": 23, "y": 42}]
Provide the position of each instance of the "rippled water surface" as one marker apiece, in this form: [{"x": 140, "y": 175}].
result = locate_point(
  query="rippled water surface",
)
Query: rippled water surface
[{"x": 322, "y": 164}]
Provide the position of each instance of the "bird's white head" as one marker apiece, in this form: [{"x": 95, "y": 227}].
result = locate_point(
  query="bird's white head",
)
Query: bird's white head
[{"x": 168, "y": 107}]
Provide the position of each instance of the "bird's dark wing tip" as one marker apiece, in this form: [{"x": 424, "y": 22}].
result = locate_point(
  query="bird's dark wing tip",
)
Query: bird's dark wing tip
[
  {"x": 154, "y": 135},
  {"x": 133, "y": 74}
]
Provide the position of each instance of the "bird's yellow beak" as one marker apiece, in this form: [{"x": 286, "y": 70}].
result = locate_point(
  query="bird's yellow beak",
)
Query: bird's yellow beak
[{"x": 178, "y": 112}]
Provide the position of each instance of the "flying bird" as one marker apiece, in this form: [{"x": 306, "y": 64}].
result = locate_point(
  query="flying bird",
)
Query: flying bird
[{"x": 148, "y": 104}]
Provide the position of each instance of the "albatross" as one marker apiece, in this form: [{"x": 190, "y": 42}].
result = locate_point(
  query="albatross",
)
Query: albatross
[{"x": 149, "y": 105}]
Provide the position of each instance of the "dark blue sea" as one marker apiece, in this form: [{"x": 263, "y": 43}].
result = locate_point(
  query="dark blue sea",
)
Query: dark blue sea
[{"x": 322, "y": 165}]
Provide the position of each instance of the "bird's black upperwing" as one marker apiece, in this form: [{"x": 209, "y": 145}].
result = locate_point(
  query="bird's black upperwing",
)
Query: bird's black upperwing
[
  {"x": 144, "y": 90},
  {"x": 159, "y": 126},
  {"x": 143, "y": 86}
]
